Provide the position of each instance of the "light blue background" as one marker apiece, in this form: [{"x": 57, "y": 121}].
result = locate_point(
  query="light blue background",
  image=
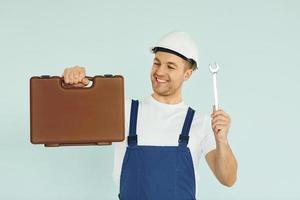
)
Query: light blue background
[{"x": 255, "y": 42}]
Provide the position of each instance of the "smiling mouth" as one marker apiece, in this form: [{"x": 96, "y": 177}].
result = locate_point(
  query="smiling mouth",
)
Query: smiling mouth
[{"x": 160, "y": 80}]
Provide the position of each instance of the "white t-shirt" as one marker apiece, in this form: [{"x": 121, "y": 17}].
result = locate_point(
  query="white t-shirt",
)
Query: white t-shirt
[{"x": 160, "y": 124}]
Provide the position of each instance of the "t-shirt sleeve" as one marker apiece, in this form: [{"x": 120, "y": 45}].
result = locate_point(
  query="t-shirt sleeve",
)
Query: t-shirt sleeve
[
  {"x": 120, "y": 147},
  {"x": 208, "y": 143},
  {"x": 119, "y": 152}
]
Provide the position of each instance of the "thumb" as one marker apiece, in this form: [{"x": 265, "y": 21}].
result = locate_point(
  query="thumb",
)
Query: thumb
[
  {"x": 85, "y": 81},
  {"x": 214, "y": 108}
]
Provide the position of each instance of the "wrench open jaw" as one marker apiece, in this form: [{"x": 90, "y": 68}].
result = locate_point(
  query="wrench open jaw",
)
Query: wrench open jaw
[
  {"x": 214, "y": 73},
  {"x": 214, "y": 70}
]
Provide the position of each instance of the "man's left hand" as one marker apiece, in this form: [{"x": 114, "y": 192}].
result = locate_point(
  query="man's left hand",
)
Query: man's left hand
[{"x": 220, "y": 124}]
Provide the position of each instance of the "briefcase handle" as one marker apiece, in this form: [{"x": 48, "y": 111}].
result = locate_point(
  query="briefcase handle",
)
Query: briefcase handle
[
  {"x": 90, "y": 78},
  {"x": 65, "y": 85}
]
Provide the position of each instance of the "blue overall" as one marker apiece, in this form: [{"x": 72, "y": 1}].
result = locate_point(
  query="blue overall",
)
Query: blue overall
[{"x": 157, "y": 172}]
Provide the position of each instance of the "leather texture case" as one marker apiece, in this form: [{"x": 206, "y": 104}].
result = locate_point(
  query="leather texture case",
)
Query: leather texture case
[{"x": 61, "y": 115}]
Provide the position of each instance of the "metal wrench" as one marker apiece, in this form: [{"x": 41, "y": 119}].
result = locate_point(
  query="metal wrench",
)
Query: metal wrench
[{"x": 214, "y": 73}]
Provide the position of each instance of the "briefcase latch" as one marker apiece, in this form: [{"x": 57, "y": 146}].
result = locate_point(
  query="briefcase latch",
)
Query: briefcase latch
[
  {"x": 108, "y": 75},
  {"x": 45, "y": 76}
]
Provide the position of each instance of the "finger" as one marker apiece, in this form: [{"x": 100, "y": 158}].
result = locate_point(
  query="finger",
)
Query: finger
[
  {"x": 219, "y": 126},
  {"x": 219, "y": 123},
  {"x": 221, "y": 112},
  {"x": 76, "y": 76},
  {"x": 71, "y": 79},
  {"x": 76, "y": 67},
  {"x": 83, "y": 70},
  {"x": 221, "y": 118},
  {"x": 81, "y": 76},
  {"x": 66, "y": 75},
  {"x": 217, "y": 112}
]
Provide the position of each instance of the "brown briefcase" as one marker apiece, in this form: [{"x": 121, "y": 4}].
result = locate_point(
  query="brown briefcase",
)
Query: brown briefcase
[{"x": 68, "y": 116}]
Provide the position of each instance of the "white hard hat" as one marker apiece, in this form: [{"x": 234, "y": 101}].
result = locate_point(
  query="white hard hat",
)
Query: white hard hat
[{"x": 179, "y": 43}]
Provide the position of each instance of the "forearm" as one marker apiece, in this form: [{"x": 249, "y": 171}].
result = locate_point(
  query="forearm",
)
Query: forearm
[{"x": 226, "y": 164}]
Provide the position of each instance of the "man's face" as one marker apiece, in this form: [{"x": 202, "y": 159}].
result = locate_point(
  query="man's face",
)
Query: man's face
[{"x": 168, "y": 73}]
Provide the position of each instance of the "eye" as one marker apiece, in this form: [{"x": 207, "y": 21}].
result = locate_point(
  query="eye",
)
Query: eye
[
  {"x": 156, "y": 63},
  {"x": 170, "y": 67}
]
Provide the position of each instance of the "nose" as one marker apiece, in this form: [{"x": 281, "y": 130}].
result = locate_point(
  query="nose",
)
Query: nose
[{"x": 161, "y": 70}]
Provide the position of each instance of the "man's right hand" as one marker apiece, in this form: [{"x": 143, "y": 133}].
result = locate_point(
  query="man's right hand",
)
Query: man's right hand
[{"x": 75, "y": 76}]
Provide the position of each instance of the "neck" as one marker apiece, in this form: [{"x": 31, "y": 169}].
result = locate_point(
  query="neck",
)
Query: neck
[{"x": 171, "y": 99}]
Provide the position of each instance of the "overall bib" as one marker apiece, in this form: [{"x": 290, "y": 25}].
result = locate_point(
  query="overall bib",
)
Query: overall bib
[{"x": 157, "y": 172}]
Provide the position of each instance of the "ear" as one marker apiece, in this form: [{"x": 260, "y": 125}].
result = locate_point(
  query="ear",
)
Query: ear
[{"x": 187, "y": 74}]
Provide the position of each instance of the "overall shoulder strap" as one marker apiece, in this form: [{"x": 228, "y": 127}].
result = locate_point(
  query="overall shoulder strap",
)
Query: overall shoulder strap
[
  {"x": 132, "y": 137},
  {"x": 184, "y": 136}
]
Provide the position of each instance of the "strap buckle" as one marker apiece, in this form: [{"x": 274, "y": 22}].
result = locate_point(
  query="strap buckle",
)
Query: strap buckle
[
  {"x": 183, "y": 138},
  {"x": 132, "y": 138}
]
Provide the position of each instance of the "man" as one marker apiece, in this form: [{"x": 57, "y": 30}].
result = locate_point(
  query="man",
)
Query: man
[{"x": 165, "y": 137}]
